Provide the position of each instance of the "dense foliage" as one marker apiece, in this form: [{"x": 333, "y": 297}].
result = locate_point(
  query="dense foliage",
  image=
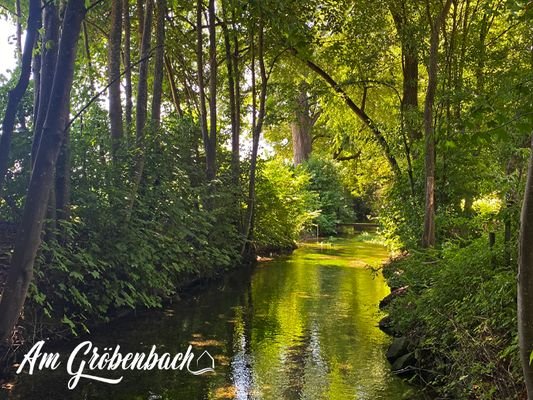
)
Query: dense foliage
[{"x": 459, "y": 313}]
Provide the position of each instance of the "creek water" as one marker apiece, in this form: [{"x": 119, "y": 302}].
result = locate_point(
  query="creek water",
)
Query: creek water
[{"x": 302, "y": 326}]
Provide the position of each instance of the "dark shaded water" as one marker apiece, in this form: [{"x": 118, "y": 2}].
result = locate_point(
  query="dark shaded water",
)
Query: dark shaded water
[{"x": 301, "y": 327}]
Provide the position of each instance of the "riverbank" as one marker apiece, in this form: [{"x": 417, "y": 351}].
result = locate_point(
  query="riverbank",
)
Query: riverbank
[{"x": 457, "y": 313}]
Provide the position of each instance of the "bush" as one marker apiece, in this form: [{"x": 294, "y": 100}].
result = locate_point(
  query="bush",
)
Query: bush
[
  {"x": 285, "y": 206},
  {"x": 460, "y": 313}
]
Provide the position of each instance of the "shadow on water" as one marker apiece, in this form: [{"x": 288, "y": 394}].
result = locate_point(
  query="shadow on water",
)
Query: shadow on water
[{"x": 300, "y": 327}]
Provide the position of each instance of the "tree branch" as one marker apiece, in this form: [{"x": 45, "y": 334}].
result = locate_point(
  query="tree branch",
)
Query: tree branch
[{"x": 378, "y": 135}]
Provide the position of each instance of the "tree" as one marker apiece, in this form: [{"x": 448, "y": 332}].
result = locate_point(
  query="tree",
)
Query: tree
[
  {"x": 302, "y": 126},
  {"x": 127, "y": 65},
  {"x": 525, "y": 280},
  {"x": 258, "y": 118},
  {"x": 15, "y": 95},
  {"x": 428, "y": 237},
  {"x": 48, "y": 59},
  {"x": 401, "y": 14},
  {"x": 161, "y": 11},
  {"x": 29, "y": 232},
  {"x": 114, "y": 47},
  {"x": 142, "y": 102},
  {"x": 525, "y": 265},
  {"x": 211, "y": 147},
  {"x": 234, "y": 97}
]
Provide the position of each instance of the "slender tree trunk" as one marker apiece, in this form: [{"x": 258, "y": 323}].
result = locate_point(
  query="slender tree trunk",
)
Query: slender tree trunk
[
  {"x": 525, "y": 277},
  {"x": 161, "y": 11},
  {"x": 49, "y": 48},
  {"x": 213, "y": 70},
  {"x": 525, "y": 281},
  {"x": 236, "y": 133},
  {"x": 409, "y": 106},
  {"x": 428, "y": 237},
  {"x": 16, "y": 94},
  {"x": 113, "y": 60},
  {"x": 142, "y": 87},
  {"x": 201, "y": 84},
  {"x": 142, "y": 102},
  {"x": 232, "y": 100},
  {"x": 29, "y": 232},
  {"x": 127, "y": 65},
  {"x": 410, "y": 129},
  {"x": 409, "y": 103},
  {"x": 250, "y": 209},
  {"x": 257, "y": 126}
]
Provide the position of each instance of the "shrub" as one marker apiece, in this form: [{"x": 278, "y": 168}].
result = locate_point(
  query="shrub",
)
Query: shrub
[
  {"x": 285, "y": 206},
  {"x": 460, "y": 312}
]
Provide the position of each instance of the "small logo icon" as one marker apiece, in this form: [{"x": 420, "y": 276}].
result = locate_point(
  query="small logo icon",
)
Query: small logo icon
[{"x": 204, "y": 359}]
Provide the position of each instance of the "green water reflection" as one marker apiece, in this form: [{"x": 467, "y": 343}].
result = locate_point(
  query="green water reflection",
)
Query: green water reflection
[{"x": 301, "y": 327}]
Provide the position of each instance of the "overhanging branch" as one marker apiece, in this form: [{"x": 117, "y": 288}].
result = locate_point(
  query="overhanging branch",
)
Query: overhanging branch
[{"x": 363, "y": 116}]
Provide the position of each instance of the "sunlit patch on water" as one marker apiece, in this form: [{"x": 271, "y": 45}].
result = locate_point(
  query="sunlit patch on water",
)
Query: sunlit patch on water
[{"x": 225, "y": 392}]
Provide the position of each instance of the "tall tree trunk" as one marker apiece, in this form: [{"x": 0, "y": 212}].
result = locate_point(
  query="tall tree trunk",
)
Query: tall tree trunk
[
  {"x": 525, "y": 281},
  {"x": 428, "y": 236},
  {"x": 142, "y": 86},
  {"x": 142, "y": 102},
  {"x": 301, "y": 127},
  {"x": 410, "y": 129},
  {"x": 201, "y": 83},
  {"x": 232, "y": 81},
  {"x": 213, "y": 68},
  {"x": 409, "y": 104},
  {"x": 127, "y": 66},
  {"x": 525, "y": 277},
  {"x": 16, "y": 94},
  {"x": 161, "y": 11},
  {"x": 236, "y": 133},
  {"x": 29, "y": 232},
  {"x": 257, "y": 127},
  {"x": 48, "y": 65},
  {"x": 113, "y": 59}
]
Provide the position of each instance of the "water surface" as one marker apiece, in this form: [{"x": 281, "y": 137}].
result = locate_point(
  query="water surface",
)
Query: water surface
[{"x": 300, "y": 327}]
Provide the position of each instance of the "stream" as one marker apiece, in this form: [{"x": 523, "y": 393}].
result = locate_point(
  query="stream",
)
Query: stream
[{"x": 302, "y": 326}]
